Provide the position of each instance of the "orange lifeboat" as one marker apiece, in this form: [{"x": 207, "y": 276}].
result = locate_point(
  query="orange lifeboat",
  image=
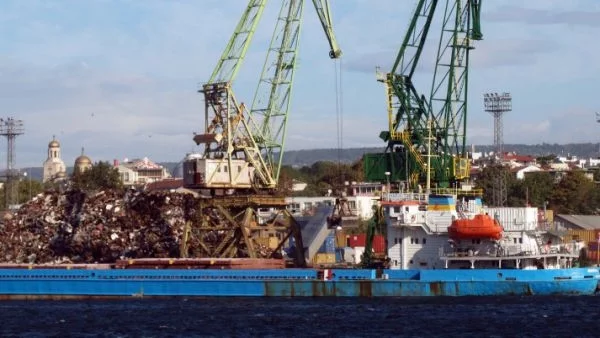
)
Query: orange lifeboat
[{"x": 480, "y": 226}]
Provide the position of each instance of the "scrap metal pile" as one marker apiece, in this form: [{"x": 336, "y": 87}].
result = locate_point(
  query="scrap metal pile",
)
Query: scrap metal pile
[{"x": 103, "y": 227}]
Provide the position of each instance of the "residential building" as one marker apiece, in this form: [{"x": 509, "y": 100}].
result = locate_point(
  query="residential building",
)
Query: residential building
[
  {"x": 520, "y": 171},
  {"x": 169, "y": 185},
  {"x": 139, "y": 172}
]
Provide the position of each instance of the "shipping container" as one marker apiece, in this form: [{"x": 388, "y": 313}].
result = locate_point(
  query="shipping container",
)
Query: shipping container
[
  {"x": 356, "y": 240},
  {"x": 592, "y": 256},
  {"x": 328, "y": 245},
  {"x": 587, "y": 236},
  {"x": 358, "y": 252},
  {"x": 324, "y": 258},
  {"x": 360, "y": 241},
  {"x": 514, "y": 219},
  {"x": 339, "y": 255},
  {"x": 340, "y": 239}
]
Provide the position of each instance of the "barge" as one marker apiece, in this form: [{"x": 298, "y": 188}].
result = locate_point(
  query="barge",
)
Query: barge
[{"x": 71, "y": 282}]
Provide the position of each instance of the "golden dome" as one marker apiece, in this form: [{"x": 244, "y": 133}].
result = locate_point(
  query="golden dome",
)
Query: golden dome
[
  {"x": 54, "y": 144},
  {"x": 81, "y": 160}
]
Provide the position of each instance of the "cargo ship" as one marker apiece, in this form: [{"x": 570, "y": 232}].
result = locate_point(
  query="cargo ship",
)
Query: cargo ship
[
  {"x": 436, "y": 246},
  {"x": 106, "y": 282}
]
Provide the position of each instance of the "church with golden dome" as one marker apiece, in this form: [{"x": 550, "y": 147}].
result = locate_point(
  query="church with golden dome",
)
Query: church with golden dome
[
  {"x": 54, "y": 167},
  {"x": 82, "y": 163}
]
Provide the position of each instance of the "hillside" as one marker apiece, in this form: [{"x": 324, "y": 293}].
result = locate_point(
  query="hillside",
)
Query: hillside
[{"x": 308, "y": 157}]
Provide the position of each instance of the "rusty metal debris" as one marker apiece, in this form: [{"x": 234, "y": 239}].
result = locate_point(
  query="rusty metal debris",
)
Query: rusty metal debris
[{"x": 110, "y": 226}]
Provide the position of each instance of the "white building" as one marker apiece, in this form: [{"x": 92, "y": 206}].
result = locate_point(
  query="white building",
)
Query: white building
[
  {"x": 521, "y": 171},
  {"x": 140, "y": 171}
]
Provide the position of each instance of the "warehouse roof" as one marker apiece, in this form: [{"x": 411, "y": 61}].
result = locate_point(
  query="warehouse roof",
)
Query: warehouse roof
[{"x": 587, "y": 222}]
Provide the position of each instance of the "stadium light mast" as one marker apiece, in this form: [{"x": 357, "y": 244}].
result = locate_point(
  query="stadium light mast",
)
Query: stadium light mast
[
  {"x": 498, "y": 104},
  {"x": 11, "y": 128}
]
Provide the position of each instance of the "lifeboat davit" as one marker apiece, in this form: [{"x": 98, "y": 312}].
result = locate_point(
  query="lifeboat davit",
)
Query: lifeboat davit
[{"x": 480, "y": 226}]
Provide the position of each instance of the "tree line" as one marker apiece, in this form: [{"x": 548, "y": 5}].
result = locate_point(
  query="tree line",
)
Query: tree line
[
  {"x": 571, "y": 192},
  {"x": 102, "y": 175}
]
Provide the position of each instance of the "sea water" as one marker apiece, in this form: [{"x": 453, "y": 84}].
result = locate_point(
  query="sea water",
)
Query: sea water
[{"x": 533, "y": 316}]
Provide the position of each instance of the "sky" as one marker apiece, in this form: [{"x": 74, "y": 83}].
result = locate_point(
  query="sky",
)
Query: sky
[{"x": 119, "y": 78}]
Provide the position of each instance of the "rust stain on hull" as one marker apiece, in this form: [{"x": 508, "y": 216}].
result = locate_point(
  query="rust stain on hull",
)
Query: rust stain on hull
[{"x": 366, "y": 288}]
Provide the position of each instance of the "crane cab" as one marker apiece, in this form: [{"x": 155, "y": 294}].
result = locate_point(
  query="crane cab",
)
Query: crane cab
[{"x": 203, "y": 173}]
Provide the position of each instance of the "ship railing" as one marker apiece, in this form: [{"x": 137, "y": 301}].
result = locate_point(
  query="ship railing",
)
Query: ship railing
[
  {"x": 407, "y": 196},
  {"x": 562, "y": 248},
  {"x": 510, "y": 250},
  {"x": 420, "y": 220},
  {"x": 503, "y": 251}
]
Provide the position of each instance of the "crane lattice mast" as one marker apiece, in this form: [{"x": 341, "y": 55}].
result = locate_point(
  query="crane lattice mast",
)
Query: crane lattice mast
[{"x": 434, "y": 126}]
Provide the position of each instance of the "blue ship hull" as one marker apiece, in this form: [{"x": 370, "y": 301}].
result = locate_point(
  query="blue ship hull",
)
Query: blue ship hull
[{"x": 63, "y": 283}]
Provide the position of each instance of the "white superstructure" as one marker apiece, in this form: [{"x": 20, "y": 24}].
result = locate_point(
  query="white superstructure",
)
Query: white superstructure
[{"x": 417, "y": 236}]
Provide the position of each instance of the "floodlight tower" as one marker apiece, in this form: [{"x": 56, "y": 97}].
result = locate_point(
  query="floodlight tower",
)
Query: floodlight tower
[
  {"x": 11, "y": 128},
  {"x": 497, "y": 105}
]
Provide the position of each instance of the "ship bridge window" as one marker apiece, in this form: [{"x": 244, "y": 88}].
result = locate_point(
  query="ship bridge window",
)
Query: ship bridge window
[
  {"x": 406, "y": 209},
  {"x": 424, "y": 240},
  {"x": 397, "y": 210},
  {"x": 476, "y": 241}
]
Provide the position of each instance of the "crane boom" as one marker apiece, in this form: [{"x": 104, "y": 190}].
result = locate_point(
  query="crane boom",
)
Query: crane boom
[
  {"x": 270, "y": 107},
  {"x": 322, "y": 8},
  {"x": 236, "y": 48}
]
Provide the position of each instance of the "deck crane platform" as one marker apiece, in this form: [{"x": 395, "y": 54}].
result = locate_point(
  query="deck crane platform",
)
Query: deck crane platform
[
  {"x": 431, "y": 128},
  {"x": 243, "y": 147}
]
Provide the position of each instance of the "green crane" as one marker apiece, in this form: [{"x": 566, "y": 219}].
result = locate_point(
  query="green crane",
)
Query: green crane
[
  {"x": 243, "y": 148},
  {"x": 426, "y": 136}
]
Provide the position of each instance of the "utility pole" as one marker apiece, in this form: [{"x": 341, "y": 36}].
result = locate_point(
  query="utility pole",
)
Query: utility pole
[{"x": 11, "y": 128}]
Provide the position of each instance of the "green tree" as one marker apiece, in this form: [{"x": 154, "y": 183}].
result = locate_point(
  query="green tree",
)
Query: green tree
[
  {"x": 545, "y": 160},
  {"x": 487, "y": 181},
  {"x": 29, "y": 188},
  {"x": 538, "y": 187},
  {"x": 575, "y": 194},
  {"x": 101, "y": 175}
]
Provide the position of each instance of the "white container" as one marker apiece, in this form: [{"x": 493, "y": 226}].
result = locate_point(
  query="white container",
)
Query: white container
[{"x": 514, "y": 219}]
